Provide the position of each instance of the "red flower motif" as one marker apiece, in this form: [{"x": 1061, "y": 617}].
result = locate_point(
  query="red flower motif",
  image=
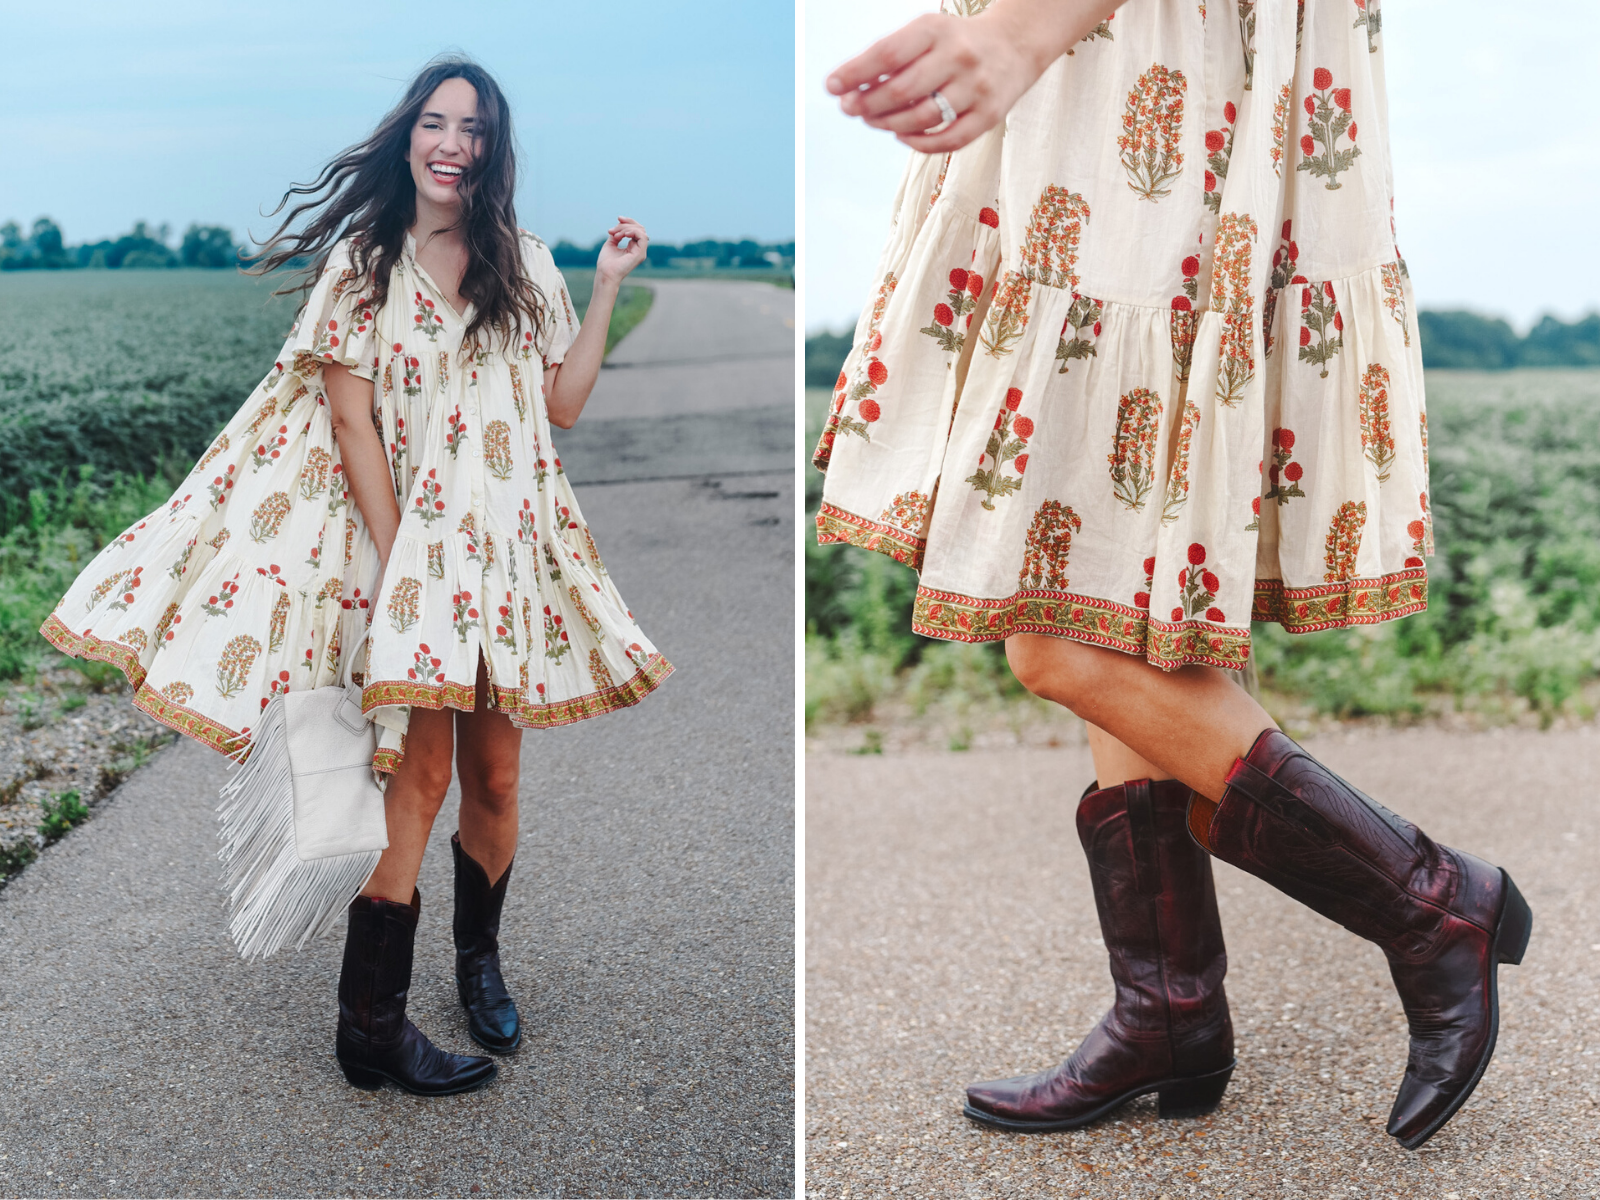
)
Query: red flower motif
[
  {"x": 1255, "y": 506},
  {"x": 1322, "y": 79},
  {"x": 1022, "y": 461},
  {"x": 1352, "y": 131},
  {"x": 842, "y": 383},
  {"x": 1341, "y": 97},
  {"x": 1230, "y": 114},
  {"x": 1305, "y": 335},
  {"x": 943, "y": 314},
  {"x": 1211, "y": 182},
  {"x": 1210, "y": 582},
  {"x": 333, "y": 325},
  {"x": 1413, "y": 561},
  {"x": 1097, "y": 329},
  {"x": 974, "y": 284},
  {"x": 1215, "y": 614},
  {"x": 1416, "y": 529},
  {"x": 1338, "y": 322},
  {"x": 1311, "y": 107},
  {"x": 870, "y": 411},
  {"x": 1293, "y": 472},
  {"x": 877, "y": 372},
  {"x": 1149, "y": 566},
  {"x": 1197, "y": 554},
  {"x": 1307, "y": 146},
  {"x": 958, "y": 280},
  {"x": 1180, "y": 304},
  {"x": 1215, "y": 139},
  {"x": 1191, "y": 267},
  {"x": 1141, "y": 599},
  {"x": 1024, "y": 427},
  {"x": 1177, "y": 614},
  {"x": 988, "y": 216},
  {"x": 875, "y": 341}
]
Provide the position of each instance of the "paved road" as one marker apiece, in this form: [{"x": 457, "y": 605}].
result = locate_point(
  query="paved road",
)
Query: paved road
[
  {"x": 648, "y": 935},
  {"x": 951, "y": 937}
]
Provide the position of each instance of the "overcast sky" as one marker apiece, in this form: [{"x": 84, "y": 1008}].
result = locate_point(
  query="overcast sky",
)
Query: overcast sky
[
  {"x": 1495, "y": 136},
  {"x": 681, "y": 116}
]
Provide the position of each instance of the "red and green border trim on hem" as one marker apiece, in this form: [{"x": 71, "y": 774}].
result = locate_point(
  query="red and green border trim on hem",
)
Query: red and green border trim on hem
[
  {"x": 838, "y": 525},
  {"x": 458, "y": 696},
  {"x": 1168, "y": 645}
]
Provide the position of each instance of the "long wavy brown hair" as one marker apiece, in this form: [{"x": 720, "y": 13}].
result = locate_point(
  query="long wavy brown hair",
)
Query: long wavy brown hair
[{"x": 366, "y": 193}]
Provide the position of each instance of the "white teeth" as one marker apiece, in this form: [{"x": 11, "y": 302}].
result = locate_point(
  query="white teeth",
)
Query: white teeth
[{"x": 444, "y": 169}]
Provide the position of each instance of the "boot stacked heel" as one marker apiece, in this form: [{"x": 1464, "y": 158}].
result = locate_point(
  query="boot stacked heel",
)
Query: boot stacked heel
[{"x": 1194, "y": 1097}]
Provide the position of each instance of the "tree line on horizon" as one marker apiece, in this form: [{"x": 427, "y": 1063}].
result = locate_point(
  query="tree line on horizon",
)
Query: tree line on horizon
[{"x": 43, "y": 247}]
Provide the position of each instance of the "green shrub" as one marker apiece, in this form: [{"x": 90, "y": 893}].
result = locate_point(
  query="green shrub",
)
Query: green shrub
[{"x": 61, "y": 812}]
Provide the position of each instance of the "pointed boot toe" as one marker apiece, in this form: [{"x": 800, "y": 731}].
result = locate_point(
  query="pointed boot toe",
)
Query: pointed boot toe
[
  {"x": 492, "y": 1016},
  {"x": 1444, "y": 919}
]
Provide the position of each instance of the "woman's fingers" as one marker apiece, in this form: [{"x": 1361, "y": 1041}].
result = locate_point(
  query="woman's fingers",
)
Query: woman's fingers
[
  {"x": 963, "y": 130},
  {"x": 884, "y": 57},
  {"x": 906, "y": 88},
  {"x": 925, "y": 114}
]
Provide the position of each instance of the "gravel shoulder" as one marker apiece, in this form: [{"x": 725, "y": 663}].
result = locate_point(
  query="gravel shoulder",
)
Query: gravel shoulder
[{"x": 951, "y": 937}]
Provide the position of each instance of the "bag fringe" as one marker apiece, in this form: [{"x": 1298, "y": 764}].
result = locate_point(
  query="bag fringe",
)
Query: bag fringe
[{"x": 277, "y": 898}]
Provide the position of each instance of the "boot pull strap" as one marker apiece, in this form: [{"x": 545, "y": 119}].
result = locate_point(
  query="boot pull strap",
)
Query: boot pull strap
[
  {"x": 1142, "y": 832},
  {"x": 1249, "y": 780}
]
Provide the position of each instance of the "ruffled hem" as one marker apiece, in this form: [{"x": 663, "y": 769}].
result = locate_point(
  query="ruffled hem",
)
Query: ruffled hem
[{"x": 951, "y": 616}]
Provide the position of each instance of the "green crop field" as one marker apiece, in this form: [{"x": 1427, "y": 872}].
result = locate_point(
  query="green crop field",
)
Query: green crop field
[
  {"x": 112, "y": 383},
  {"x": 1512, "y": 628}
]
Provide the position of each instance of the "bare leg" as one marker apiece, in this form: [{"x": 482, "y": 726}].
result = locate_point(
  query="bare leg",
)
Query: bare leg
[
  {"x": 1191, "y": 724},
  {"x": 1114, "y": 763},
  {"x": 488, "y": 753},
  {"x": 412, "y": 802}
]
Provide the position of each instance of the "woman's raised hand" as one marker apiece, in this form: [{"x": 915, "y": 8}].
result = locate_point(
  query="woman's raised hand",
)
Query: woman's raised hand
[
  {"x": 616, "y": 260},
  {"x": 981, "y": 65}
]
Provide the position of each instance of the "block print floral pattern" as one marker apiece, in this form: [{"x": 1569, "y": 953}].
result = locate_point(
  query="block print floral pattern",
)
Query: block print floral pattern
[
  {"x": 278, "y": 624},
  {"x": 427, "y": 320},
  {"x": 556, "y": 642},
  {"x": 1231, "y": 296},
  {"x": 1219, "y": 149},
  {"x": 1418, "y": 532},
  {"x": 953, "y": 315},
  {"x": 1284, "y": 476},
  {"x": 268, "y": 517},
  {"x": 1329, "y": 124},
  {"x": 1083, "y": 318},
  {"x": 497, "y": 449},
  {"x": 1377, "y": 435},
  {"x": 1102, "y": 31},
  {"x": 1197, "y": 589},
  {"x": 1344, "y": 541},
  {"x": 1051, "y": 240},
  {"x": 1285, "y": 261},
  {"x": 909, "y": 510},
  {"x": 233, "y": 668},
  {"x": 1049, "y": 544},
  {"x": 1152, "y": 131},
  {"x": 1247, "y": 39},
  {"x": 1321, "y": 326},
  {"x": 871, "y": 375},
  {"x": 1008, "y": 443},
  {"x": 1280, "y": 128},
  {"x": 129, "y": 590},
  {"x": 1369, "y": 17},
  {"x": 404, "y": 602},
  {"x": 178, "y": 692},
  {"x": 1178, "y": 480},
  {"x": 1394, "y": 297},
  {"x": 1133, "y": 453},
  {"x": 1008, "y": 314},
  {"x": 430, "y": 504}
]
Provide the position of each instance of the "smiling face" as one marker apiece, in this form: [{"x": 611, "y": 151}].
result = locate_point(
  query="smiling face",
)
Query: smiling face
[{"x": 443, "y": 141}]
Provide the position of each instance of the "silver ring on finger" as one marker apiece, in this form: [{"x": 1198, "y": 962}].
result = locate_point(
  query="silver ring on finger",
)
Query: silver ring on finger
[{"x": 947, "y": 114}]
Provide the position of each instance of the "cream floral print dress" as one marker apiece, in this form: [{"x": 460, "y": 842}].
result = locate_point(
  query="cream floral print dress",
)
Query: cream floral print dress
[
  {"x": 1142, "y": 364},
  {"x": 259, "y": 569}
]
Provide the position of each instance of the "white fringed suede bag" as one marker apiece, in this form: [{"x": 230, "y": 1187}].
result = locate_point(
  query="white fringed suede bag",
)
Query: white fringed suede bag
[{"x": 302, "y": 821}]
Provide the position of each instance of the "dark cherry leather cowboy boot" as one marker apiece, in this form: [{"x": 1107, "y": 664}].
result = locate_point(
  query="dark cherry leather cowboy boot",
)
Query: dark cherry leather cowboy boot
[
  {"x": 1445, "y": 920},
  {"x": 375, "y": 1041},
  {"x": 1168, "y": 1031},
  {"x": 491, "y": 1013}
]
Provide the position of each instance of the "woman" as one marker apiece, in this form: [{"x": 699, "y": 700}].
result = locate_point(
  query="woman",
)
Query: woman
[
  {"x": 1141, "y": 368},
  {"x": 395, "y": 468}
]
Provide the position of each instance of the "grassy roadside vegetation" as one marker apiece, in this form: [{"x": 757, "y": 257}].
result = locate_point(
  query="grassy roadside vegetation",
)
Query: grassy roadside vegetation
[
  {"x": 1512, "y": 631},
  {"x": 111, "y": 384}
]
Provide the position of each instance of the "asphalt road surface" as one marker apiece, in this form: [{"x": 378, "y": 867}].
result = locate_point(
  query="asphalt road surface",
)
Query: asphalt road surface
[
  {"x": 648, "y": 931},
  {"x": 951, "y": 937}
]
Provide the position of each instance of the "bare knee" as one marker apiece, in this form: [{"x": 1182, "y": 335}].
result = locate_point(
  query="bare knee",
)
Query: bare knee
[
  {"x": 490, "y": 785},
  {"x": 1051, "y": 668}
]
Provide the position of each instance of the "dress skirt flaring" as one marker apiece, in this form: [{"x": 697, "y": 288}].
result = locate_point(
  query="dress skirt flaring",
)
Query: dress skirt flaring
[
  {"x": 1141, "y": 364},
  {"x": 259, "y": 573}
]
